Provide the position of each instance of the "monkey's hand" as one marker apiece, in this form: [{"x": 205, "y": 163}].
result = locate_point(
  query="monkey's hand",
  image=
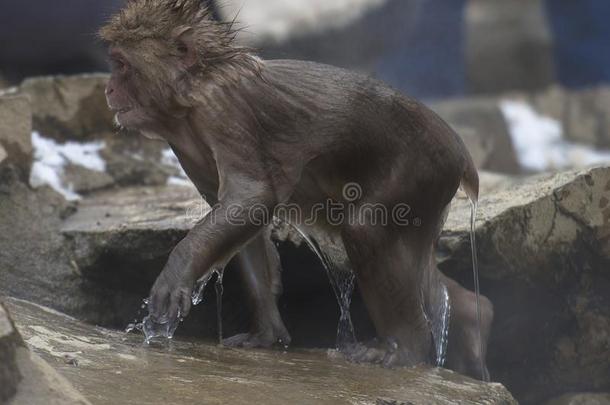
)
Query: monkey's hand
[{"x": 170, "y": 296}]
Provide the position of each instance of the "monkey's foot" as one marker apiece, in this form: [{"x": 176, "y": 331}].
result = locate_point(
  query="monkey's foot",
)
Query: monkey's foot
[
  {"x": 251, "y": 340},
  {"x": 386, "y": 353}
]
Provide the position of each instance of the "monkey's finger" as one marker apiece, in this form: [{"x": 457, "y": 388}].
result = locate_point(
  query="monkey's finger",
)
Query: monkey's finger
[
  {"x": 185, "y": 306},
  {"x": 174, "y": 306},
  {"x": 158, "y": 305}
]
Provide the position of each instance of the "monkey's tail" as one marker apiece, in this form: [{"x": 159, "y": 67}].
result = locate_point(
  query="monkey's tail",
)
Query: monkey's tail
[
  {"x": 470, "y": 180},
  {"x": 470, "y": 185}
]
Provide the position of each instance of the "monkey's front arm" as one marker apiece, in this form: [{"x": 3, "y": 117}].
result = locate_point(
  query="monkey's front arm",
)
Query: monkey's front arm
[{"x": 243, "y": 209}]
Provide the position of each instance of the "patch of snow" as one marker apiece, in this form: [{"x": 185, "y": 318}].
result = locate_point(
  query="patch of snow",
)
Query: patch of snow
[
  {"x": 280, "y": 18},
  {"x": 9, "y": 91},
  {"x": 51, "y": 158},
  {"x": 3, "y": 154},
  {"x": 179, "y": 181},
  {"x": 168, "y": 158},
  {"x": 539, "y": 141}
]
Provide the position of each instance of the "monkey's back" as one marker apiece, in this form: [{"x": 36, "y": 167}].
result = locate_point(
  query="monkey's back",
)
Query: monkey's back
[{"x": 364, "y": 121}]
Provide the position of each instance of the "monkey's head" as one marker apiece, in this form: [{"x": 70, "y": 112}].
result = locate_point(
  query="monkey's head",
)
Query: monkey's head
[{"x": 161, "y": 52}]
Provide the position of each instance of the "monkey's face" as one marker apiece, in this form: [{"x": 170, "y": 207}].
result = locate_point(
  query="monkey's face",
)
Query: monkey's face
[
  {"x": 124, "y": 96},
  {"x": 145, "y": 85}
]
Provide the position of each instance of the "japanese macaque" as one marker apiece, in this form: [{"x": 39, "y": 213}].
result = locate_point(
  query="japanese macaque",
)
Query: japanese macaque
[{"x": 255, "y": 134}]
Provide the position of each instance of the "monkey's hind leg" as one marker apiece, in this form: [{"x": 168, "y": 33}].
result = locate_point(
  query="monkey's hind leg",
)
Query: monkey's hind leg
[
  {"x": 389, "y": 267},
  {"x": 260, "y": 267}
]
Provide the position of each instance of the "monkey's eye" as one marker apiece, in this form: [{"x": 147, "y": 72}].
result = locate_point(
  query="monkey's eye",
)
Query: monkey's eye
[{"x": 118, "y": 65}]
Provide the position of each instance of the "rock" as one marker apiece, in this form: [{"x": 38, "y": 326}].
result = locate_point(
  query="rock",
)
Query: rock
[
  {"x": 15, "y": 130},
  {"x": 237, "y": 376},
  {"x": 26, "y": 379},
  {"x": 74, "y": 109},
  {"x": 552, "y": 213},
  {"x": 543, "y": 253},
  {"x": 35, "y": 261},
  {"x": 69, "y": 107},
  {"x": 134, "y": 160},
  {"x": 43, "y": 385},
  {"x": 584, "y": 114},
  {"x": 142, "y": 223},
  {"x": 482, "y": 126},
  {"x": 588, "y": 398},
  {"x": 83, "y": 180},
  {"x": 9, "y": 342},
  {"x": 508, "y": 46}
]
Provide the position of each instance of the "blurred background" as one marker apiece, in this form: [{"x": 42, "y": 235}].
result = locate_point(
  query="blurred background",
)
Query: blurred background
[
  {"x": 524, "y": 82},
  {"x": 427, "y": 48}
]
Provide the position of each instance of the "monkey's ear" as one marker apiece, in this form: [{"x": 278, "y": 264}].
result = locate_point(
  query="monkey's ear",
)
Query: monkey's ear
[{"x": 185, "y": 41}]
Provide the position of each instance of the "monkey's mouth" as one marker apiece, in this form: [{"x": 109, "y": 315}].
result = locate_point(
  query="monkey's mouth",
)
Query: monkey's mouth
[{"x": 123, "y": 110}]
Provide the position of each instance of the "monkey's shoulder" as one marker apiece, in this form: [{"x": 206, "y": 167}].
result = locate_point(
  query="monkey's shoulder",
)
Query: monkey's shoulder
[
  {"x": 321, "y": 74},
  {"x": 337, "y": 86}
]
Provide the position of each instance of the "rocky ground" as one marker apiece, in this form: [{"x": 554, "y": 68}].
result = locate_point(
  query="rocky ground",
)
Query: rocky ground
[
  {"x": 98, "y": 361},
  {"x": 88, "y": 226}
]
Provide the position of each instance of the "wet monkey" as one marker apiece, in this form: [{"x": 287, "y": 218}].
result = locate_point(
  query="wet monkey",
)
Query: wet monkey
[{"x": 257, "y": 134}]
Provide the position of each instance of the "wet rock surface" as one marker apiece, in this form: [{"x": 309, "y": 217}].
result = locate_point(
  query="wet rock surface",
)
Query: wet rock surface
[
  {"x": 26, "y": 379},
  {"x": 188, "y": 372}
]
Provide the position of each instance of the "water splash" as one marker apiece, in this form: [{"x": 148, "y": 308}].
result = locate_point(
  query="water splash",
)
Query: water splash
[
  {"x": 475, "y": 273},
  {"x": 165, "y": 327},
  {"x": 342, "y": 283},
  {"x": 137, "y": 325},
  {"x": 151, "y": 329},
  {"x": 219, "y": 291},
  {"x": 440, "y": 326},
  {"x": 197, "y": 294}
]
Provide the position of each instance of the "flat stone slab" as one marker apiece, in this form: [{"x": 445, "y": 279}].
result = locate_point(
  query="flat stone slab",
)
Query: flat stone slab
[
  {"x": 523, "y": 227},
  {"x": 110, "y": 367},
  {"x": 136, "y": 208},
  {"x": 143, "y": 223}
]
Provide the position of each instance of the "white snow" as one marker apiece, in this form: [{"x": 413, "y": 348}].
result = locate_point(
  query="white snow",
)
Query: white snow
[
  {"x": 51, "y": 158},
  {"x": 279, "y": 18},
  {"x": 539, "y": 142},
  {"x": 179, "y": 181},
  {"x": 168, "y": 158}
]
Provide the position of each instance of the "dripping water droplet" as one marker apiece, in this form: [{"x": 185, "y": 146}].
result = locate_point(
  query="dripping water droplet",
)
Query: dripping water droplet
[{"x": 475, "y": 273}]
